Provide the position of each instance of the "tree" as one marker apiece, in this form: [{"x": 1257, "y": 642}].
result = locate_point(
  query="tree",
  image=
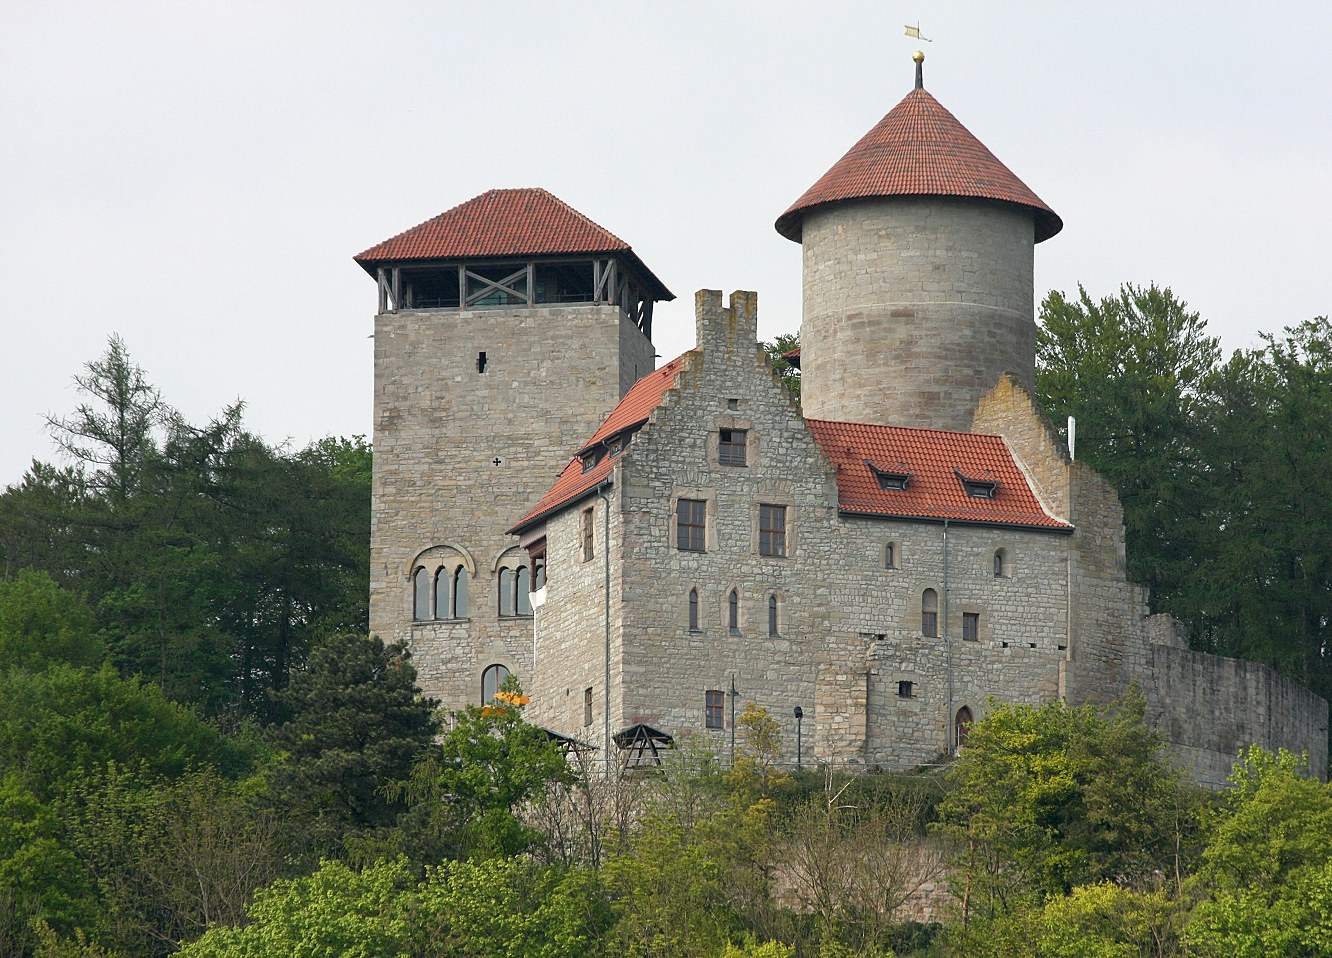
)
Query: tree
[
  {"x": 41, "y": 623},
  {"x": 357, "y": 724},
  {"x": 779, "y": 358},
  {"x": 1132, "y": 369},
  {"x": 1052, "y": 797}
]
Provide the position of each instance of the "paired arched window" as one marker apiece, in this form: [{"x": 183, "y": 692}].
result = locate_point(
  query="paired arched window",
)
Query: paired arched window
[
  {"x": 733, "y": 612},
  {"x": 491, "y": 680},
  {"x": 693, "y": 610},
  {"x": 961, "y": 728},
  {"x": 439, "y": 596},
  {"x": 929, "y": 613},
  {"x": 515, "y": 587},
  {"x": 772, "y": 615}
]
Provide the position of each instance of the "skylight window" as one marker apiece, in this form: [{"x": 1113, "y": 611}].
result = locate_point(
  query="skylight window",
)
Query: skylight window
[
  {"x": 889, "y": 479},
  {"x": 976, "y": 488}
]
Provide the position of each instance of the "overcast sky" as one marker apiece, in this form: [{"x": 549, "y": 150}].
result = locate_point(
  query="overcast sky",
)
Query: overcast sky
[{"x": 196, "y": 177}]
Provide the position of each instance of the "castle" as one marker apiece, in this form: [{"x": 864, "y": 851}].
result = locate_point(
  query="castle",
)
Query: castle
[{"x": 647, "y": 547}]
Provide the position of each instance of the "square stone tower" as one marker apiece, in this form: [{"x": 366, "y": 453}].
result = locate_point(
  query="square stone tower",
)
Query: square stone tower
[{"x": 508, "y": 327}]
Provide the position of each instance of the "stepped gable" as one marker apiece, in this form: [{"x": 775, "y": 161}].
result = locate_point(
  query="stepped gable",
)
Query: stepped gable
[
  {"x": 631, "y": 412},
  {"x": 919, "y": 149},
  {"x": 931, "y": 459},
  {"x": 505, "y": 223}
]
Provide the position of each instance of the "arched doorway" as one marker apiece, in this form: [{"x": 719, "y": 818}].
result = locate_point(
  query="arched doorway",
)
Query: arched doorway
[{"x": 961, "y": 728}]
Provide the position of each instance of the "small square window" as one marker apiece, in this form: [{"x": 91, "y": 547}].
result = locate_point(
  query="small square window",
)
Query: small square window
[
  {"x": 772, "y": 530},
  {"x": 970, "y": 626},
  {"x": 731, "y": 447},
  {"x": 713, "y": 709},
  {"x": 905, "y": 690},
  {"x": 690, "y": 525}
]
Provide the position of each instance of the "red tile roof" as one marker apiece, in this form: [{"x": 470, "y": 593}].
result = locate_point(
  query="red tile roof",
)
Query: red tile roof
[
  {"x": 932, "y": 458},
  {"x": 519, "y": 222},
  {"x": 919, "y": 149},
  {"x": 633, "y": 410}
]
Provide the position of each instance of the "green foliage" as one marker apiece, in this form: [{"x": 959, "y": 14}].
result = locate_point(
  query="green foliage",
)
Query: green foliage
[
  {"x": 504, "y": 908},
  {"x": 357, "y": 724},
  {"x": 42, "y": 623},
  {"x": 1051, "y": 797},
  {"x": 1132, "y": 369},
  {"x": 789, "y": 372},
  {"x": 757, "y": 771},
  {"x": 466, "y": 793},
  {"x": 62, "y": 725}
]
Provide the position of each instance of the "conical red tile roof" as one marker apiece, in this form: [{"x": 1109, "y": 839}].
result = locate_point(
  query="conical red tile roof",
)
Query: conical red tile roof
[
  {"x": 919, "y": 149},
  {"x": 515, "y": 222}
]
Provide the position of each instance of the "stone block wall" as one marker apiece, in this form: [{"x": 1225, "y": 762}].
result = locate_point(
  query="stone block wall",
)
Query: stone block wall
[
  {"x": 913, "y": 308},
  {"x": 464, "y": 448}
]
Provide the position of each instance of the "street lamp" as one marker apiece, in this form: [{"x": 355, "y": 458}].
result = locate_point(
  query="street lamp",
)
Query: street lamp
[{"x": 799, "y": 715}]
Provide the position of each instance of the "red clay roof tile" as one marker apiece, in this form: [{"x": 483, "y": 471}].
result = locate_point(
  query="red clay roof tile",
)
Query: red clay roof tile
[
  {"x": 633, "y": 410},
  {"x": 517, "y": 222},
  {"x": 932, "y": 458},
  {"x": 919, "y": 149}
]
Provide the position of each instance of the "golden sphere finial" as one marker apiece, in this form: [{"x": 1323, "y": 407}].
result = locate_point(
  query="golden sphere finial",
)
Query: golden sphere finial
[{"x": 918, "y": 56}]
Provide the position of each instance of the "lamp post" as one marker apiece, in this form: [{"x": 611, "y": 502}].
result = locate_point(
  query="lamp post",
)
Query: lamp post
[{"x": 799, "y": 715}]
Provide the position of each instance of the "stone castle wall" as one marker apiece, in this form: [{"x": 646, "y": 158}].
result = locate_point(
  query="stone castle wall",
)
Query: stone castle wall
[
  {"x": 913, "y": 309},
  {"x": 551, "y": 374}
]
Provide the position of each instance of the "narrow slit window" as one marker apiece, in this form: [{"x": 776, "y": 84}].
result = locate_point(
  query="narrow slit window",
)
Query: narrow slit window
[
  {"x": 772, "y": 615},
  {"x": 733, "y": 612},
  {"x": 929, "y": 613},
  {"x": 693, "y": 610}
]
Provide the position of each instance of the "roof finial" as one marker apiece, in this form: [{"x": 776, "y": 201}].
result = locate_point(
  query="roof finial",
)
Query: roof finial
[{"x": 918, "y": 56}]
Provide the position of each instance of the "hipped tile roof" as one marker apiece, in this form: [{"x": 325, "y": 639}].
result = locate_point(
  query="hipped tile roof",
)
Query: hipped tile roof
[
  {"x": 633, "y": 410},
  {"x": 514, "y": 222},
  {"x": 932, "y": 459},
  {"x": 919, "y": 149}
]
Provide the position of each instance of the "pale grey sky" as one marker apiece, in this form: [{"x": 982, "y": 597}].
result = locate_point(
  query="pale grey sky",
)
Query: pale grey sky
[{"x": 196, "y": 177}]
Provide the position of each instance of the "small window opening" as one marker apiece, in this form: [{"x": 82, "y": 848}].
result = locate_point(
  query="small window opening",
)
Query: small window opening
[
  {"x": 481, "y": 362},
  {"x": 1001, "y": 569},
  {"x": 731, "y": 447},
  {"x": 733, "y": 612},
  {"x": 714, "y": 714},
  {"x": 890, "y": 556},
  {"x": 970, "y": 626},
  {"x": 588, "y": 539},
  {"x": 905, "y": 690},
  {"x": 772, "y": 615},
  {"x": 732, "y": 404},
  {"x": 977, "y": 488},
  {"x": 693, "y": 610},
  {"x": 587, "y": 706},
  {"x": 929, "y": 614},
  {"x": 889, "y": 479}
]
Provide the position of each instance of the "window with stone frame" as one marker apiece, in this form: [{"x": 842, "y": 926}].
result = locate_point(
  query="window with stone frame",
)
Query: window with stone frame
[
  {"x": 491, "y": 680},
  {"x": 733, "y": 612},
  {"x": 693, "y": 611},
  {"x": 588, "y": 535},
  {"x": 731, "y": 447},
  {"x": 772, "y": 530},
  {"x": 890, "y": 556},
  {"x": 906, "y": 690},
  {"x": 1001, "y": 569},
  {"x": 691, "y": 525},
  {"x": 587, "y": 706},
  {"x": 970, "y": 626},
  {"x": 772, "y": 616},
  {"x": 714, "y": 709},
  {"x": 929, "y": 613},
  {"x": 451, "y": 592}
]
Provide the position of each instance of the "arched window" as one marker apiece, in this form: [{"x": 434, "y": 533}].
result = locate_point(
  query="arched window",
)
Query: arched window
[
  {"x": 420, "y": 594},
  {"x": 523, "y": 591},
  {"x": 929, "y": 613},
  {"x": 890, "y": 556},
  {"x": 1001, "y": 569},
  {"x": 460, "y": 593},
  {"x": 693, "y": 610},
  {"x": 507, "y": 603},
  {"x": 961, "y": 728},
  {"x": 772, "y": 615},
  {"x": 733, "y": 612},
  {"x": 491, "y": 679},
  {"x": 443, "y": 579}
]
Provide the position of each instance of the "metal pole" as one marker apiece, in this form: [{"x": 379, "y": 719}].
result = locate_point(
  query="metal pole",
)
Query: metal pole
[{"x": 605, "y": 550}]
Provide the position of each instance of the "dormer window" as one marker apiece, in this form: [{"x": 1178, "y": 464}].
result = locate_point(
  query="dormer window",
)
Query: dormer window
[
  {"x": 591, "y": 458},
  {"x": 976, "y": 488},
  {"x": 889, "y": 479}
]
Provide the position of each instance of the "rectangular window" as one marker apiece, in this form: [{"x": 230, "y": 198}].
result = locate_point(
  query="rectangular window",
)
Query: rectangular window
[
  {"x": 929, "y": 624},
  {"x": 731, "y": 447},
  {"x": 690, "y": 525},
  {"x": 970, "y": 626},
  {"x": 772, "y": 530},
  {"x": 587, "y": 706},
  {"x": 713, "y": 709},
  {"x": 587, "y": 535},
  {"x": 905, "y": 690}
]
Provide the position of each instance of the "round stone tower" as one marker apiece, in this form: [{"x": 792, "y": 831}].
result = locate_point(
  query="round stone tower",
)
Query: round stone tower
[{"x": 918, "y": 290}]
